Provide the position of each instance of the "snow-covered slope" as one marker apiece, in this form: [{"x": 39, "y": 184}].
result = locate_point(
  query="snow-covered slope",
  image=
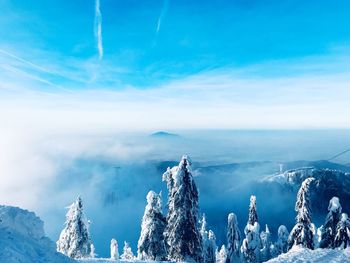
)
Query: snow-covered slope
[
  {"x": 301, "y": 255},
  {"x": 22, "y": 238}
]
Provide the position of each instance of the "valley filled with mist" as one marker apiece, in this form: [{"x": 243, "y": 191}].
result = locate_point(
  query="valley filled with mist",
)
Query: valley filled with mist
[{"x": 113, "y": 173}]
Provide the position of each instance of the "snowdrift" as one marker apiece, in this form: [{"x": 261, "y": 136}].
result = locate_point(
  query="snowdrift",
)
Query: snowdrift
[
  {"x": 300, "y": 255},
  {"x": 22, "y": 238}
]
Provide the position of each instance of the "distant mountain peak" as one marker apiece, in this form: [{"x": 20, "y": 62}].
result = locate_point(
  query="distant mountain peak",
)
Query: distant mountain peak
[{"x": 163, "y": 134}]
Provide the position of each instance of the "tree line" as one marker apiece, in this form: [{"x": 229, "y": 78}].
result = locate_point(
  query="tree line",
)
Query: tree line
[{"x": 182, "y": 237}]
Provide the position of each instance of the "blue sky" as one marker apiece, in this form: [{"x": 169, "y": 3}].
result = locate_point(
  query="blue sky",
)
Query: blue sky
[{"x": 53, "y": 47}]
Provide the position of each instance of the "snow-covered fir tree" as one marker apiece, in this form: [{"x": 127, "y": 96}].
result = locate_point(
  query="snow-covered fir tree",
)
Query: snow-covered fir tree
[
  {"x": 316, "y": 238},
  {"x": 208, "y": 242},
  {"x": 92, "y": 251},
  {"x": 74, "y": 240},
  {"x": 151, "y": 245},
  {"x": 114, "y": 249},
  {"x": 281, "y": 245},
  {"x": 221, "y": 255},
  {"x": 203, "y": 231},
  {"x": 253, "y": 214},
  {"x": 127, "y": 252},
  {"x": 233, "y": 239},
  {"x": 302, "y": 233},
  {"x": 328, "y": 230},
  {"x": 250, "y": 249},
  {"x": 266, "y": 244},
  {"x": 209, "y": 253},
  {"x": 183, "y": 239},
  {"x": 342, "y": 237}
]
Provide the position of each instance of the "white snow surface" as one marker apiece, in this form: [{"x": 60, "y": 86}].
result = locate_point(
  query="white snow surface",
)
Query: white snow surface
[
  {"x": 22, "y": 238},
  {"x": 303, "y": 255},
  {"x": 108, "y": 260},
  {"x": 334, "y": 204}
]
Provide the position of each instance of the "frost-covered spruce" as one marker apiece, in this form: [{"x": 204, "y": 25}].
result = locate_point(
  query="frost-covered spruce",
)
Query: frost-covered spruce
[
  {"x": 151, "y": 245},
  {"x": 233, "y": 239},
  {"x": 281, "y": 245},
  {"x": 114, "y": 249},
  {"x": 342, "y": 237},
  {"x": 203, "y": 231},
  {"x": 266, "y": 244},
  {"x": 208, "y": 242},
  {"x": 92, "y": 251},
  {"x": 253, "y": 214},
  {"x": 302, "y": 233},
  {"x": 209, "y": 253},
  {"x": 183, "y": 239},
  {"x": 250, "y": 249},
  {"x": 221, "y": 255},
  {"x": 328, "y": 230},
  {"x": 75, "y": 241},
  {"x": 127, "y": 252}
]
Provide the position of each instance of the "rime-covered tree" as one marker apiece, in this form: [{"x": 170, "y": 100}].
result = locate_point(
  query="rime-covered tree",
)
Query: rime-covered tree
[
  {"x": 183, "y": 239},
  {"x": 281, "y": 245},
  {"x": 328, "y": 230},
  {"x": 221, "y": 255},
  {"x": 151, "y": 245},
  {"x": 233, "y": 239},
  {"x": 302, "y": 233},
  {"x": 127, "y": 252},
  {"x": 253, "y": 214},
  {"x": 266, "y": 244},
  {"x": 342, "y": 237},
  {"x": 203, "y": 229},
  {"x": 208, "y": 242},
  {"x": 92, "y": 251},
  {"x": 114, "y": 249},
  {"x": 209, "y": 253},
  {"x": 74, "y": 240},
  {"x": 250, "y": 249}
]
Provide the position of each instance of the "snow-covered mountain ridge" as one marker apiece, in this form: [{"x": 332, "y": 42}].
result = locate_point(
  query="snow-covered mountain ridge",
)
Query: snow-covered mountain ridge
[
  {"x": 328, "y": 183},
  {"x": 22, "y": 238},
  {"x": 296, "y": 176}
]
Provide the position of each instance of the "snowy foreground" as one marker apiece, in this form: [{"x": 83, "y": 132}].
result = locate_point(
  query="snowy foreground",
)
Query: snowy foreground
[
  {"x": 299, "y": 255},
  {"x": 22, "y": 239},
  {"x": 295, "y": 255},
  {"x": 106, "y": 260}
]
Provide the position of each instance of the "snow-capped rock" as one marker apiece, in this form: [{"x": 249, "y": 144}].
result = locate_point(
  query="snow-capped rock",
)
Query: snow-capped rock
[{"x": 22, "y": 238}]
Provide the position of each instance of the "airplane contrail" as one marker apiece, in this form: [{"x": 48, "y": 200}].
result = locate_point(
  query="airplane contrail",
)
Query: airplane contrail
[
  {"x": 161, "y": 17},
  {"x": 26, "y": 62},
  {"x": 98, "y": 29},
  {"x": 36, "y": 66},
  {"x": 32, "y": 76}
]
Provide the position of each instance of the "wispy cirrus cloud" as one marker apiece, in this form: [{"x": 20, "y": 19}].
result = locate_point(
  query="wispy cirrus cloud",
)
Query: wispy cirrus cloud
[{"x": 98, "y": 29}]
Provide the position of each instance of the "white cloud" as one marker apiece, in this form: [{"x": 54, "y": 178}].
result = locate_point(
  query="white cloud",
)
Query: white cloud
[{"x": 220, "y": 100}]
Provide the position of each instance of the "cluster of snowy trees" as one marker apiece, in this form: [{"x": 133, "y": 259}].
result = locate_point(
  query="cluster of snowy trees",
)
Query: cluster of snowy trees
[{"x": 180, "y": 235}]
